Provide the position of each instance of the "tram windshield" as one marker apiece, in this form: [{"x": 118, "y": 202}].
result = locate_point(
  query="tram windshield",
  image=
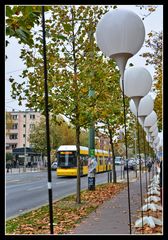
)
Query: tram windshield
[{"x": 66, "y": 159}]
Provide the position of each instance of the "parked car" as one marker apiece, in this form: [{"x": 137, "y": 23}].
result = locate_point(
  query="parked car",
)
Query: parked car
[
  {"x": 118, "y": 161},
  {"x": 142, "y": 162},
  {"x": 132, "y": 165},
  {"x": 54, "y": 165}
]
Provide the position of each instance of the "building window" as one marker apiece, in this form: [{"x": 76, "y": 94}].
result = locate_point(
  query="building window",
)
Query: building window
[
  {"x": 13, "y": 136},
  {"x": 24, "y": 135},
  {"x": 32, "y": 126},
  {"x": 14, "y": 146},
  {"x": 24, "y": 125},
  {"x": 14, "y": 117},
  {"x": 24, "y": 116},
  {"x": 23, "y": 145},
  {"x": 32, "y": 116},
  {"x": 15, "y": 126}
]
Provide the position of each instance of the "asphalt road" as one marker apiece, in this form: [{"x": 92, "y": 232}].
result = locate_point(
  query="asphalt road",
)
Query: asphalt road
[{"x": 25, "y": 191}]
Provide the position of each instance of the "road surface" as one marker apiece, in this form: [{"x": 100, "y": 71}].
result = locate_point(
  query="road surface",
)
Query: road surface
[{"x": 25, "y": 191}]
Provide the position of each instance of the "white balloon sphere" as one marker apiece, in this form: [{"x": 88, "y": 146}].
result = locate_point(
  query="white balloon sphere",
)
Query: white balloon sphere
[
  {"x": 156, "y": 140},
  {"x": 137, "y": 82},
  {"x": 156, "y": 146},
  {"x": 120, "y": 31},
  {"x": 145, "y": 107},
  {"x": 149, "y": 139},
  {"x": 150, "y": 144},
  {"x": 154, "y": 133},
  {"x": 151, "y": 129},
  {"x": 150, "y": 119},
  {"x": 120, "y": 34},
  {"x": 133, "y": 107}
]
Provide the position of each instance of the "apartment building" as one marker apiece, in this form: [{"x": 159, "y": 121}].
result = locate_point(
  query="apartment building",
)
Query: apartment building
[{"x": 22, "y": 122}]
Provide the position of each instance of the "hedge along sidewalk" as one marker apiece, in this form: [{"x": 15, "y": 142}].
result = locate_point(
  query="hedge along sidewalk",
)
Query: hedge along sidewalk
[{"x": 66, "y": 212}]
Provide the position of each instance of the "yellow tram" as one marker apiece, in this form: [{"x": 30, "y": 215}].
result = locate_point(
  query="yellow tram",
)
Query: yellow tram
[{"x": 67, "y": 160}]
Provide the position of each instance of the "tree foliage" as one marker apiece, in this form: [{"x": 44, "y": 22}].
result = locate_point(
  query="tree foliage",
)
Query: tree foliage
[
  {"x": 61, "y": 133},
  {"x": 154, "y": 57},
  {"x": 74, "y": 66},
  {"x": 20, "y": 20}
]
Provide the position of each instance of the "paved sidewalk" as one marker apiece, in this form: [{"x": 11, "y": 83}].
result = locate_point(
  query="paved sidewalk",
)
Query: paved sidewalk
[{"x": 112, "y": 216}]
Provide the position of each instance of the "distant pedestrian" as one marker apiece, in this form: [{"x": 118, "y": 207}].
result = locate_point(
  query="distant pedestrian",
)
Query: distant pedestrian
[
  {"x": 149, "y": 165},
  {"x": 7, "y": 167}
]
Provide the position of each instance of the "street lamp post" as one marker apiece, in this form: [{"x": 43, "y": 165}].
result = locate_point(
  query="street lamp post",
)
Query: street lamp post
[
  {"x": 91, "y": 175},
  {"x": 120, "y": 34},
  {"x": 47, "y": 125}
]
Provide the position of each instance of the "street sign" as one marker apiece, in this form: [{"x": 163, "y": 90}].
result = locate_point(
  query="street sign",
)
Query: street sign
[
  {"x": 92, "y": 152},
  {"x": 92, "y": 163},
  {"x": 121, "y": 150}
]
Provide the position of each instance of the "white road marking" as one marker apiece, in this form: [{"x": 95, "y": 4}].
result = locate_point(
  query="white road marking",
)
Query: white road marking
[
  {"x": 40, "y": 187},
  {"x": 56, "y": 183},
  {"x": 35, "y": 188},
  {"x": 16, "y": 180}
]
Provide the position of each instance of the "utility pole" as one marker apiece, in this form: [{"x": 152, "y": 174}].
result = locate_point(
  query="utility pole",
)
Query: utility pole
[{"x": 91, "y": 175}]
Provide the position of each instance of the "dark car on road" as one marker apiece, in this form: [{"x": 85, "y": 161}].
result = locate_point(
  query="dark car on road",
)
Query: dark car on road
[{"x": 131, "y": 164}]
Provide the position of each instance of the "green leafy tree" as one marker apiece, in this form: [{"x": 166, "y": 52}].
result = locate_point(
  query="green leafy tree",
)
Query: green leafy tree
[
  {"x": 154, "y": 57},
  {"x": 70, "y": 43},
  {"x": 110, "y": 109},
  {"x": 37, "y": 137},
  {"x": 61, "y": 133},
  {"x": 20, "y": 20}
]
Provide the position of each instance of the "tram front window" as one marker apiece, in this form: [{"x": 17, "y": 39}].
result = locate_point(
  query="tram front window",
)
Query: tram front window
[{"x": 66, "y": 159}]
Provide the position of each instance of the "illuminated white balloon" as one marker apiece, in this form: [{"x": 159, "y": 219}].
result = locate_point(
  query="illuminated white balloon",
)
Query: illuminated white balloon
[
  {"x": 120, "y": 34},
  {"x": 151, "y": 129},
  {"x": 155, "y": 132},
  {"x": 150, "y": 119},
  {"x": 149, "y": 139},
  {"x": 137, "y": 82},
  {"x": 144, "y": 109},
  {"x": 157, "y": 140}
]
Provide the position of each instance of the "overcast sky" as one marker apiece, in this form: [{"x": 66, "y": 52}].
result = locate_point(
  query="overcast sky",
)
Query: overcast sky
[{"x": 14, "y": 65}]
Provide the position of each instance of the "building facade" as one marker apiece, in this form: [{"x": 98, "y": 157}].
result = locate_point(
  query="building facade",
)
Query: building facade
[{"x": 22, "y": 122}]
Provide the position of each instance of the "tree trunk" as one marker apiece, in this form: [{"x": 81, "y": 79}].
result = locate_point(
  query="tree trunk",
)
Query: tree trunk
[
  {"x": 76, "y": 110},
  {"x": 78, "y": 200},
  {"x": 112, "y": 149}
]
